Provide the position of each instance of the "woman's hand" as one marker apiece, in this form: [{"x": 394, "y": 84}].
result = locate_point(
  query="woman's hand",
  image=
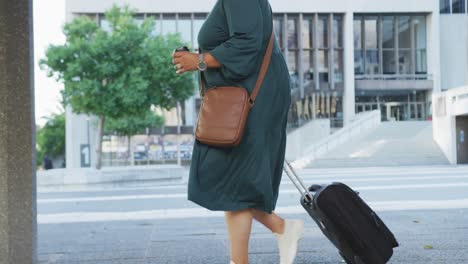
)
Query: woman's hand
[{"x": 185, "y": 61}]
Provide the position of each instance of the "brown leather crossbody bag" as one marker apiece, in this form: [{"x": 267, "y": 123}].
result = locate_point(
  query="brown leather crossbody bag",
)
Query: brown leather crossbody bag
[{"x": 224, "y": 110}]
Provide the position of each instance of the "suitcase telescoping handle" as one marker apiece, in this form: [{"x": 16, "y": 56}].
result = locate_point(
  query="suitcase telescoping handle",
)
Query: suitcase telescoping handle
[{"x": 297, "y": 181}]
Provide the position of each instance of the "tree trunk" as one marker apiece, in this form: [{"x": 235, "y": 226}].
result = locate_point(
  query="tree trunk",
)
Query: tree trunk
[
  {"x": 129, "y": 151},
  {"x": 100, "y": 132},
  {"x": 163, "y": 149},
  {"x": 132, "y": 153}
]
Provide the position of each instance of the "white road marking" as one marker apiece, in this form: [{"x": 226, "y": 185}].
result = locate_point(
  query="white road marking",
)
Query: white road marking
[
  {"x": 83, "y": 217},
  {"x": 282, "y": 191},
  {"x": 306, "y": 175}
]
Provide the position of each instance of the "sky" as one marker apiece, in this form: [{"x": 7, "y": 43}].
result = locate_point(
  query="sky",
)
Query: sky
[{"x": 49, "y": 17}]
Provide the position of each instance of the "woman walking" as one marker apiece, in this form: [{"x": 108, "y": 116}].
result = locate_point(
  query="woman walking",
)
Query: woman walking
[{"x": 243, "y": 180}]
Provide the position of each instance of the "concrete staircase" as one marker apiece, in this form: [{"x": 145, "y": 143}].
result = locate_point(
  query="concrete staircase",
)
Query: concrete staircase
[{"x": 390, "y": 144}]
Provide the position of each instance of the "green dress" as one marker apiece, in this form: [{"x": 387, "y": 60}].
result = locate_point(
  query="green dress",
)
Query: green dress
[{"x": 236, "y": 33}]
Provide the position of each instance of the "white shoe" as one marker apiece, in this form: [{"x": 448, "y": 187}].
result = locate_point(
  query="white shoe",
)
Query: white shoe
[
  {"x": 232, "y": 262},
  {"x": 287, "y": 242}
]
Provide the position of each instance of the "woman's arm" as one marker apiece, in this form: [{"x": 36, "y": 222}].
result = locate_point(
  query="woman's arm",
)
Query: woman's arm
[
  {"x": 237, "y": 57},
  {"x": 188, "y": 61}
]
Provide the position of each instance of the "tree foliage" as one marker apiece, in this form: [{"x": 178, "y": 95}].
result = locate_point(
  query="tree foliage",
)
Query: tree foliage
[
  {"x": 167, "y": 91},
  {"x": 50, "y": 139},
  {"x": 131, "y": 125},
  {"x": 119, "y": 73}
]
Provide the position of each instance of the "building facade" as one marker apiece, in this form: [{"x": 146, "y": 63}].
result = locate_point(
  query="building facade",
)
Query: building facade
[
  {"x": 450, "y": 122},
  {"x": 454, "y": 43},
  {"x": 344, "y": 57}
]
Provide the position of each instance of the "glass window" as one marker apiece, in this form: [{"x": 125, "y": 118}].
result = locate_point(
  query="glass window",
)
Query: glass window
[
  {"x": 404, "y": 34},
  {"x": 322, "y": 31},
  {"x": 197, "y": 24},
  {"x": 168, "y": 24},
  {"x": 292, "y": 65},
  {"x": 372, "y": 62},
  {"x": 421, "y": 61},
  {"x": 338, "y": 66},
  {"x": 371, "y": 44},
  {"x": 357, "y": 32},
  {"x": 292, "y": 33},
  {"x": 337, "y": 31},
  {"x": 358, "y": 62},
  {"x": 292, "y": 61},
  {"x": 389, "y": 62},
  {"x": 404, "y": 59},
  {"x": 184, "y": 27},
  {"x": 156, "y": 25},
  {"x": 307, "y": 33},
  {"x": 106, "y": 26},
  {"x": 388, "y": 32},
  {"x": 419, "y": 24},
  {"x": 358, "y": 56},
  {"x": 307, "y": 62},
  {"x": 458, "y": 6},
  {"x": 278, "y": 25},
  {"x": 139, "y": 19},
  {"x": 388, "y": 45},
  {"x": 323, "y": 65},
  {"x": 370, "y": 27},
  {"x": 445, "y": 6}
]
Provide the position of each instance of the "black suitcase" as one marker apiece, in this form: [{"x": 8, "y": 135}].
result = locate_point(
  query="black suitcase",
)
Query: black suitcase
[{"x": 347, "y": 221}]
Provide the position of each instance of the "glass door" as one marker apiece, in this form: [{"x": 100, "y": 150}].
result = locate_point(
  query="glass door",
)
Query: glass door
[{"x": 395, "y": 111}]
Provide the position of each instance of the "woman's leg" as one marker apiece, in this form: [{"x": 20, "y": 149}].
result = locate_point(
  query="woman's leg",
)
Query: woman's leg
[
  {"x": 239, "y": 225},
  {"x": 287, "y": 232},
  {"x": 271, "y": 221}
]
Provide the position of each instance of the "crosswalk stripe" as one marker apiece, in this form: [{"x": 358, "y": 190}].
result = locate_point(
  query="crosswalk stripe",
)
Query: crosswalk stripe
[
  {"x": 81, "y": 217},
  {"x": 282, "y": 191},
  {"x": 305, "y": 176}
]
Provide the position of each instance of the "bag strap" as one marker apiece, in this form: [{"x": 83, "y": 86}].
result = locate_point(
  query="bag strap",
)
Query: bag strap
[{"x": 263, "y": 69}]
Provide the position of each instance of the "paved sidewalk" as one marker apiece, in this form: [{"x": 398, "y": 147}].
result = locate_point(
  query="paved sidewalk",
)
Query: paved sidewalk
[{"x": 425, "y": 237}]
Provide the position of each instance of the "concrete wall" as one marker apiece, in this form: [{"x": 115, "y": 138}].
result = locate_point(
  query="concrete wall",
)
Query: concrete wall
[
  {"x": 60, "y": 177},
  {"x": 454, "y": 50},
  {"x": 444, "y": 135},
  {"x": 77, "y": 133},
  {"x": 446, "y": 106}
]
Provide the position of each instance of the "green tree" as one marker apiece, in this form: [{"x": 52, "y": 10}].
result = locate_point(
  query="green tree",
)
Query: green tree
[
  {"x": 50, "y": 139},
  {"x": 116, "y": 74},
  {"x": 132, "y": 125},
  {"x": 167, "y": 91}
]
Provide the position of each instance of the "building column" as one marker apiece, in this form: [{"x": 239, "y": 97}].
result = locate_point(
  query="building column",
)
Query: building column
[
  {"x": 433, "y": 49},
  {"x": 81, "y": 139},
  {"x": 349, "y": 82},
  {"x": 17, "y": 157}
]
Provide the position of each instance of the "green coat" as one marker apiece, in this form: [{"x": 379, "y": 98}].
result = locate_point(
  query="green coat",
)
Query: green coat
[{"x": 236, "y": 33}]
